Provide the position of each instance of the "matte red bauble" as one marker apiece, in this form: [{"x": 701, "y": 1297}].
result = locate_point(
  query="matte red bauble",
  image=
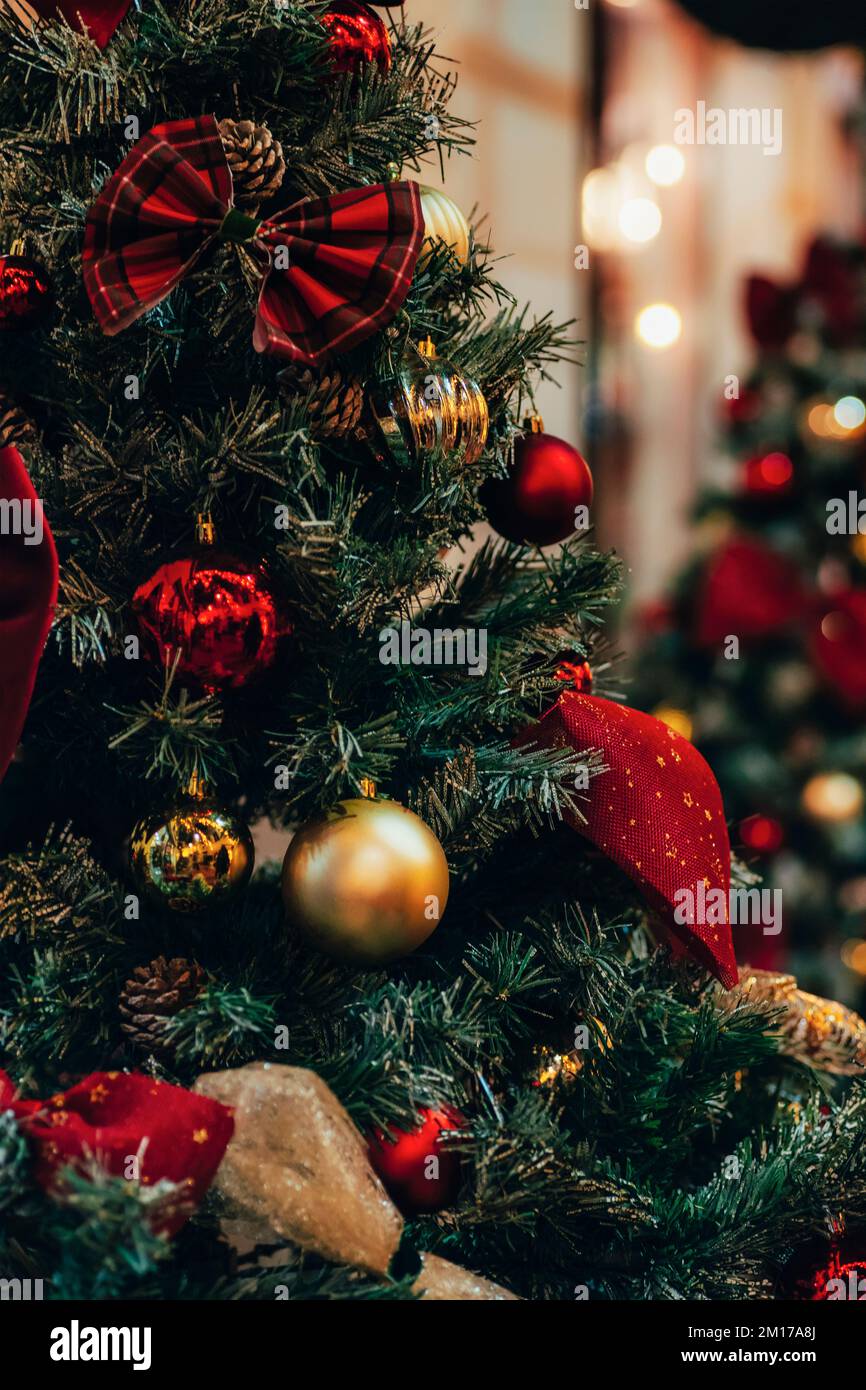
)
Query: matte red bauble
[
  {"x": 218, "y": 611},
  {"x": 25, "y": 293},
  {"x": 536, "y": 504},
  {"x": 357, "y": 37},
  {"x": 419, "y": 1172}
]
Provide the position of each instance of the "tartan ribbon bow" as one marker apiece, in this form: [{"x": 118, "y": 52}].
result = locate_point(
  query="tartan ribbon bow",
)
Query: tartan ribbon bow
[{"x": 334, "y": 270}]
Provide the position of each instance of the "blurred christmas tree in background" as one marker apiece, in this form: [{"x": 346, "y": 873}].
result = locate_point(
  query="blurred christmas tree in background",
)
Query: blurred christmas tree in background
[{"x": 759, "y": 656}]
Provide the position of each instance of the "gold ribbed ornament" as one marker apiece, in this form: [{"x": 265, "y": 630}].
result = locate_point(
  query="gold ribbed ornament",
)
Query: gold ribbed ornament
[
  {"x": 367, "y": 881},
  {"x": 443, "y": 221},
  {"x": 430, "y": 410}
]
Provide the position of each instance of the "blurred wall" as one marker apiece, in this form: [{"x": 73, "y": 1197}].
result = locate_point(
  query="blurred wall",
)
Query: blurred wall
[{"x": 522, "y": 65}]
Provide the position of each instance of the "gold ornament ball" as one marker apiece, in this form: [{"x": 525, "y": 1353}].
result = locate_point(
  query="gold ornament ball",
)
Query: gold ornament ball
[
  {"x": 443, "y": 220},
  {"x": 194, "y": 856},
  {"x": 833, "y": 796},
  {"x": 367, "y": 881}
]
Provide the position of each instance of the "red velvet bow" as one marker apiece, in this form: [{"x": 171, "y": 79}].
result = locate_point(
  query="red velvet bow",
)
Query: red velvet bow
[
  {"x": 99, "y": 18},
  {"x": 28, "y": 594},
  {"x": 351, "y": 257},
  {"x": 130, "y": 1124},
  {"x": 657, "y": 813},
  {"x": 747, "y": 590}
]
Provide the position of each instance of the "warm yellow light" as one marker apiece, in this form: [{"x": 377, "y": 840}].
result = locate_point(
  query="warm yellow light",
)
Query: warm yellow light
[
  {"x": 820, "y": 419},
  {"x": 665, "y": 165},
  {"x": 658, "y": 325},
  {"x": 833, "y": 796},
  {"x": 853, "y": 955},
  {"x": 849, "y": 412},
  {"x": 676, "y": 719},
  {"x": 640, "y": 219},
  {"x": 600, "y": 201}
]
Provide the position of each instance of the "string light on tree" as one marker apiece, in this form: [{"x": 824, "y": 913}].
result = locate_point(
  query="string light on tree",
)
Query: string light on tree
[
  {"x": 658, "y": 326},
  {"x": 677, "y": 719},
  {"x": 665, "y": 165},
  {"x": 849, "y": 413},
  {"x": 833, "y": 797},
  {"x": 640, "y": 220}
]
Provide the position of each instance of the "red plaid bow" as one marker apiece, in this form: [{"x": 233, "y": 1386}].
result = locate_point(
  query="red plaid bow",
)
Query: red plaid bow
[{"x": 351, "y": 257}]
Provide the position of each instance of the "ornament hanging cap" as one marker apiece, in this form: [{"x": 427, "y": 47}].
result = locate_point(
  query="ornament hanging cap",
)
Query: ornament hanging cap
[
  {"x": 427, "y": 348},
  {"x": 205, "y": 531},
  {"x": 533, "y": 424},
  {"x": 368, "y": 788}
]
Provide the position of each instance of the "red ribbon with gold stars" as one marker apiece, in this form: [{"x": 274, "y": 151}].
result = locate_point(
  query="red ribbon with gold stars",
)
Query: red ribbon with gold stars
[
  {"x": 656, "y": 812},
  {"x": 132, "y": 1126}
]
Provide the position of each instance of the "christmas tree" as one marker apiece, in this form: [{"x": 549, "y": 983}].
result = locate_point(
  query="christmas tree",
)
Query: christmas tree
[
  {"x": 759, "y": 655},
  {"x": 466, "y": 1045}
]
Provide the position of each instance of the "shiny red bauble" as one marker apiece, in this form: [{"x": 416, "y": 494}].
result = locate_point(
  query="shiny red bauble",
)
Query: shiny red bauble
[
  {"x": 419, "y": 1172},
  {"x": 537, "y": 503},
  {"x": 217, "y": 611},
  {"x": 26, "y": 296},
  {"x": 98, "y": 18},
  {"x": 357, "y": 37}
]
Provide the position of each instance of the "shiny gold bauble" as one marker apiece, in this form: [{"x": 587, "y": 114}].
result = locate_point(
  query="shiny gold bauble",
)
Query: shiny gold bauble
[
  {"x": 443, "y": 221},
  {"x": 194, "y": 856},
  {"x": 367, "y": 881}
]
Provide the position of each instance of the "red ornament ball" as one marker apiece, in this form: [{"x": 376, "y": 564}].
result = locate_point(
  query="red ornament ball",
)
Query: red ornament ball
[
  {"x": 763, "y": 834},
  {"x": 218, "y": 611},
  {"x": 25, "y": 293},
  {"x": 537, "y": 503},
  {"x": 768, "y": 473},
  {"x": 575, "y": 673},
  {"x": 357, "y": 37},
  {"x": 419, "y": 1172}
]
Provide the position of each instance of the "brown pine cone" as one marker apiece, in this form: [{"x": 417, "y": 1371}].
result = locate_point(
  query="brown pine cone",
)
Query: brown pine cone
[
  {"x": 16, "y": 427},
  {"x": 255, "y": 159},
  {"x": 153, "y": 995},
  {"x": 334, "y": 405}
]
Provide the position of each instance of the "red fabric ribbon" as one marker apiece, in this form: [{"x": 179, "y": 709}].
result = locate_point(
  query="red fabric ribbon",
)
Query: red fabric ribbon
[
  {"x": 113, "y": 1117},
  {"x": 28, "y": 594},
  {"x": 657, "y": 813},
  {"x": 99, "y": 18},
  {"x": 351, "y": 257},
  {"x": 747, "y": 590}
]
